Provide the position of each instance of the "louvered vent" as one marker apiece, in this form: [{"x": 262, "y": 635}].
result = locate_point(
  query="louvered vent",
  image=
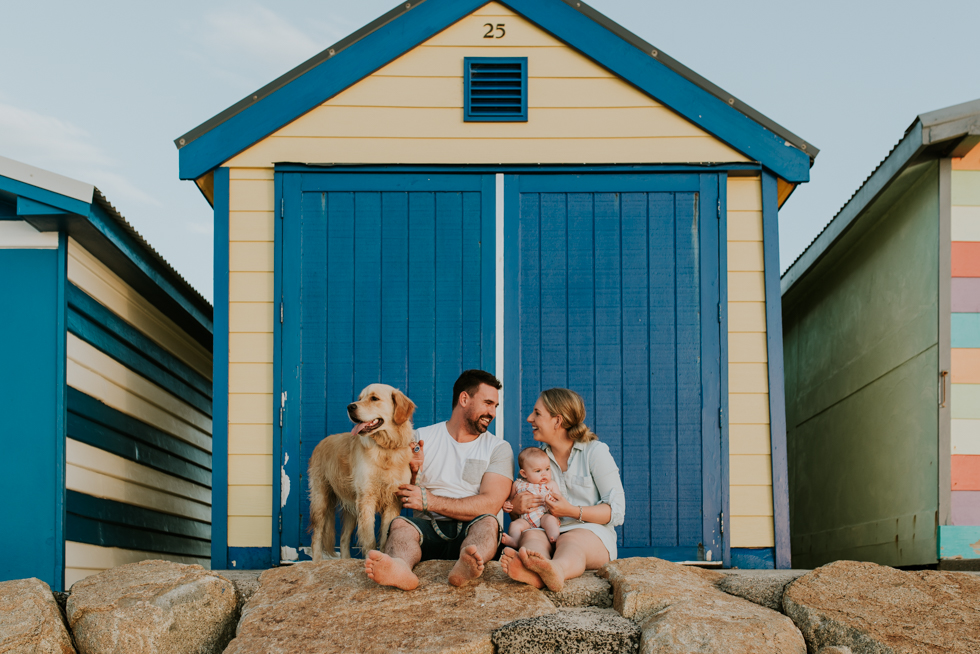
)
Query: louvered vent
[{"x": 495, "y": 89}]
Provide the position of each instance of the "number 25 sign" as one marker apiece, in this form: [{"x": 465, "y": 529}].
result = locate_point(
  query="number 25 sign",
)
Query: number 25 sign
[{"x": 494, "y": 31}]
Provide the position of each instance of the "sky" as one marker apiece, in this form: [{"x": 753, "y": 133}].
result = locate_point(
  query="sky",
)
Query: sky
[{"x": 99, "y": 90}]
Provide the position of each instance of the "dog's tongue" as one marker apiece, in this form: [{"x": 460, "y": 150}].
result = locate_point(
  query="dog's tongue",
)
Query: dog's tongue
[{"x": 358, "y": 427}]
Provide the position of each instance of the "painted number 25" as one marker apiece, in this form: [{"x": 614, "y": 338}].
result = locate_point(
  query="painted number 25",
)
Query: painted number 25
[{"x": 491, "y": 28}]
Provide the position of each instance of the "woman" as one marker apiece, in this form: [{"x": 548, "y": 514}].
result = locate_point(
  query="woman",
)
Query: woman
[{"x": 591, "y": 503}]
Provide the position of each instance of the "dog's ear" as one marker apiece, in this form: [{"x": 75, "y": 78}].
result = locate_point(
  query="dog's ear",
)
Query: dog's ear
[{"x": 404, "y": 408}]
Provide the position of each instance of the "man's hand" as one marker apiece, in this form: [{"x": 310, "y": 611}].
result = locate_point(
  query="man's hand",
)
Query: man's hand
[
  {"x": 410, "y": 496},
  {"x": 418, "y": 458},
  {"x": 525, "y": 502}
]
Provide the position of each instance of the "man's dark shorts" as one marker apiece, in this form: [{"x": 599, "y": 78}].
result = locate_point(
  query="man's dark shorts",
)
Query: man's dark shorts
[{"x": 434, "y": 546}]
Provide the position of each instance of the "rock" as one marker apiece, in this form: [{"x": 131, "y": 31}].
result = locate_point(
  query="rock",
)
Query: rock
[
  {"x": 763, "y": 587},
  {"x": 246, "y": 582},
  {"x": 679, "y": 609},
  {"x": 30, "y": 620},
  {"x": 873, "y": 608},
  {"x": 571, "y": 631},
  {"x": 332, "y": 606},
  {"x": 152, "y": 606},
  {"x": 587, "y": 590}
]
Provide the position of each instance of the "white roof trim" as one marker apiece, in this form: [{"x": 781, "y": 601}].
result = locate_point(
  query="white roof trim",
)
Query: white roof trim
[{"x": 44, "y": 179}]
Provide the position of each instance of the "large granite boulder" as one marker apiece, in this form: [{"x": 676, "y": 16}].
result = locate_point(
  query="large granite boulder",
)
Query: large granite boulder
[
  {"x": 872, "y": 608},
  {"x": 585, "y": 591},
  {"x": 30, "y": 620},
  {"x": 571, "y": 631},
  {"x": 763, "y": 587},
  {"x": 152, "y": 606},
  {"x": 332, "y": 606},
  {"x": 680, "y": 609}
]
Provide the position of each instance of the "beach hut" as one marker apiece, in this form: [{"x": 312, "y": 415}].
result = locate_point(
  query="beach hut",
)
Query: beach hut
[
  {"x": 524, "y": 187},
  {"x": 105, "y": 389},
  {"x": 882, "y": 338}
]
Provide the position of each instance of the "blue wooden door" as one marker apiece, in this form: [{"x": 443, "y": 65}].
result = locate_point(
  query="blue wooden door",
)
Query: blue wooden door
[
  {"x": 385, "y": 278},
  {"x": 619, "y": 296}
]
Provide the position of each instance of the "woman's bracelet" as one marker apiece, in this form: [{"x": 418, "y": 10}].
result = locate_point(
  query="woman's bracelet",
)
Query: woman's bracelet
[{"x": 580, "y": 514}]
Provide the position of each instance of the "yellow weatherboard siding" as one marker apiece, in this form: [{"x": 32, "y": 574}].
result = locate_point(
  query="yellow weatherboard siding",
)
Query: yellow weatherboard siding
[
  {"x": 82, "y": 559},
  {"x": 251, "y": 228},
  {"x": 411, "y": 111},
  {"x": 748, "y": 371}
]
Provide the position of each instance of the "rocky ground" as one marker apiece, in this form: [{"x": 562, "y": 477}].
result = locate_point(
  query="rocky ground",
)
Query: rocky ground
[{"x": 631, "y": 605}]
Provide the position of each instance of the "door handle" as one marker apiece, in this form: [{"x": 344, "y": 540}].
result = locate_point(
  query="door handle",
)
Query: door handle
[{"x": 942, "y": 388}]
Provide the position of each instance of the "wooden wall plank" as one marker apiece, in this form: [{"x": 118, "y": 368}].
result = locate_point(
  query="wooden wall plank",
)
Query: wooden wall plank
[
  {"x": 749, "y": 409},
  {"x": 747, "y": 347},
  {"x": 249, "y": 439},
  {"x": 93, "y": 277},
  {"x": 965, "y": 508},
  {"x": 83, "y": 560},
  {"x": 251, "y": 257},
  {"x": 751, "y": 500},
  {"x": 745, "y": 256},
  {"x": 752, "y": 531},
  {"x": 744, "y": 226},
  {"x": 748, "y": 377},
  {"x": 965, "y": 223},
  {"x": 250, "y": 501},
  {"x": 966, "y": 401},
  {"x": 966, "y": 472},
  {"x": 251, "y": 173},
  {"x": 250, "y": 317},
  {"x": 965, "y": 295},
  {"x": 965, "y": 435},
  {"x": 251, "y": 226},
  {"x": 749, "y": 439},
  {"x": 97, "y": 484},
  {"x": 746, "y": 317},
  {"x": 966, "y": 259},
  {"x": 966, "y": 188},
  {"x": 470, "y": 31},
  {"x": 250, "y": 286},
  {"x": 250, "y": 348},
  {"x": 250, "y": 378},
  {"x": 750, "y": 469},
  {"x": 746, "y": 287},
  {"x": 965, "y": 365},
  {"x": 249, "y": 470},
  {"x": 250, "y": 408},
  {"x": 251, "y": 195},
  {"x": 248, "y": 531},
  {"x": 448, "y": 62},
  {"x": 745, "y": 194}
]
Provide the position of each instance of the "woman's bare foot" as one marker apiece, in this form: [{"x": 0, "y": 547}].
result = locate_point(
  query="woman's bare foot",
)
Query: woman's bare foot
[
  {"x": 468, "y": 568},
  {"x": 512, "y": 565},
  {"x": 509, "y": 541},
  {"x": 386, "y": 571},
  {"x": 549, "y": 571}
]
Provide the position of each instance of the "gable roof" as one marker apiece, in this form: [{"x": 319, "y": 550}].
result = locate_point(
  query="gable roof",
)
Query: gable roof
[
  {"x": 412, "y": 23},
  {"x": 949, "y": 132},
  {"x": 50, "y": 203}
]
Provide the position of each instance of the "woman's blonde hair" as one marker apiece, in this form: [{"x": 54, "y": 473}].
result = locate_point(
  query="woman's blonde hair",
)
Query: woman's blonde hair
[{"x": 568, "y": 405}]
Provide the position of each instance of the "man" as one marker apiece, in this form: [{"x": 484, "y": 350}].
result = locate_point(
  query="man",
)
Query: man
[{"x": 464, "y": 477}]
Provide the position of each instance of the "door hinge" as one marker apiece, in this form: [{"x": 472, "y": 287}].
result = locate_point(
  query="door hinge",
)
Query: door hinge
[
  {"x": 719, "y": 312},
  {"x": 719, "y": 209},
  {"x": 282, "y": 407},
  {"x": 721, "y": 517},
  {"x": 721, "y": 417},
  {"x": 282, "y": 207},
  {"x": 280, "y": 312},
  {"x": 280, "y": 523}
]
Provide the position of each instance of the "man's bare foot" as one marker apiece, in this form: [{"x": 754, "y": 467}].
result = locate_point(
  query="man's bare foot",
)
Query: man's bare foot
[
  {"x": 512, "y": 565},
  {"x": 468, "y": 568},
  {"x": 549, "y": 571},
  {"x": 509, "y": 540},
  {"x": 386, "y": 571}
]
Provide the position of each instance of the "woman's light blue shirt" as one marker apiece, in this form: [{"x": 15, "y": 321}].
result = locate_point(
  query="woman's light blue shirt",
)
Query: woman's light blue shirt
[{"x": 592, "y": 478}]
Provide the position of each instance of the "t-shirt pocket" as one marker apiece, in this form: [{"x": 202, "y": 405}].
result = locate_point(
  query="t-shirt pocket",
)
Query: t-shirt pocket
[{"x": 474, "y": 469}]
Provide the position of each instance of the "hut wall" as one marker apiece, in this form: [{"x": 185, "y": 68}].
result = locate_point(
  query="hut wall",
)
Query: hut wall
[
  {"x": 750, "y": 459},
  {"x": 965, "y": 340},
  {"x": 410, "y": 112},
  {"x": 861, "y": 345},
  {"x": 138, "y": 474}
]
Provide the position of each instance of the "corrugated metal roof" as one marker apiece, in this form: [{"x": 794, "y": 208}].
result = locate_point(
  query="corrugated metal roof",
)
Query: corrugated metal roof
[
  {"x": 581, "y": 7},
  {"x": 935, "y": 134}
]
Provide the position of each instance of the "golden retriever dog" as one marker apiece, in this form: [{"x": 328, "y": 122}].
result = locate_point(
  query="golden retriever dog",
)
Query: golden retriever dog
[{"x": 362, "y": 468}]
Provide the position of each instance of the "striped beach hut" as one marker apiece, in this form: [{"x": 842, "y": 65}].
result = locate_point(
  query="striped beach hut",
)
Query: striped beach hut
[
  {"x": 882, "y": 338},
  {"x": 521, "y": 186},
  {"x": 105, "y": 389}
]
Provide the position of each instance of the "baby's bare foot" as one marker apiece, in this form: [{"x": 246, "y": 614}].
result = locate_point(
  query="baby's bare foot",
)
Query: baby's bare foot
[
  {"x": 549, "y": 571},
  {"x": 386, "y": 571},
  {"x": 508, "y": 540},
  {"x": 512, "y": 565},
  {"x": 469, "y": 567}
]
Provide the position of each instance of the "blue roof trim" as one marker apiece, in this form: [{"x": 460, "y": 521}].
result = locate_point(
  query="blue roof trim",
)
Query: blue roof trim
[
  {"x": 377, "y": 48},
  {"x": 324, "y": 81}
]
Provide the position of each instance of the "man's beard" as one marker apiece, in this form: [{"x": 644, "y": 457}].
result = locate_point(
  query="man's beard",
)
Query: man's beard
[{"x": 477, "y": 427}]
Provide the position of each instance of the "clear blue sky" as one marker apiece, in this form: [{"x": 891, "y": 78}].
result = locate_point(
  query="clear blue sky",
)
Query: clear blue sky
[{"x": 98, "y": 91}]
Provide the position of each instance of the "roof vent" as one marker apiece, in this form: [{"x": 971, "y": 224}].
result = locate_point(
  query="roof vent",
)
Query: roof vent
[{"x": 495, "y": 89}]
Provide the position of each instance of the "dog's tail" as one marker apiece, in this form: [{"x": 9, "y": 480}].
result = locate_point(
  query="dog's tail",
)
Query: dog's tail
[{"x": 323, "y": 504}]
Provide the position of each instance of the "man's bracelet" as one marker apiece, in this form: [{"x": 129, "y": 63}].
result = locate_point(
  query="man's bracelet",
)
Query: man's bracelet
[
  {"x": 425, "y": 499},
  {"x": 580, "y": 514}
]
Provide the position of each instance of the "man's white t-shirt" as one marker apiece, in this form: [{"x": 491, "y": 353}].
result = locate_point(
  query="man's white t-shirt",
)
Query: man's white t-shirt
[{"x": 455, "y": 470}]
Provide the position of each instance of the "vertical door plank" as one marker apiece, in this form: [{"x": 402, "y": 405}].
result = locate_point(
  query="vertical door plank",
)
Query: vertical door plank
[
  {"x": 554, "y": 291},
  {"x": 448, "y": 293},
  {"x": 393, "y": 311},
  {"x": 422, "y": 305},
  {"x": 530, "y": 302}
]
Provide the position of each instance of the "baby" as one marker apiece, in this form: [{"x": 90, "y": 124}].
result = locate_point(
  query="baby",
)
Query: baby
[{"x": 536, "y": 478}]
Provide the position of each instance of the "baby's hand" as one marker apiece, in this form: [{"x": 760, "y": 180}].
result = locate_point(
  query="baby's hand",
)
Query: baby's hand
[{"x": 508, "y": 506}]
